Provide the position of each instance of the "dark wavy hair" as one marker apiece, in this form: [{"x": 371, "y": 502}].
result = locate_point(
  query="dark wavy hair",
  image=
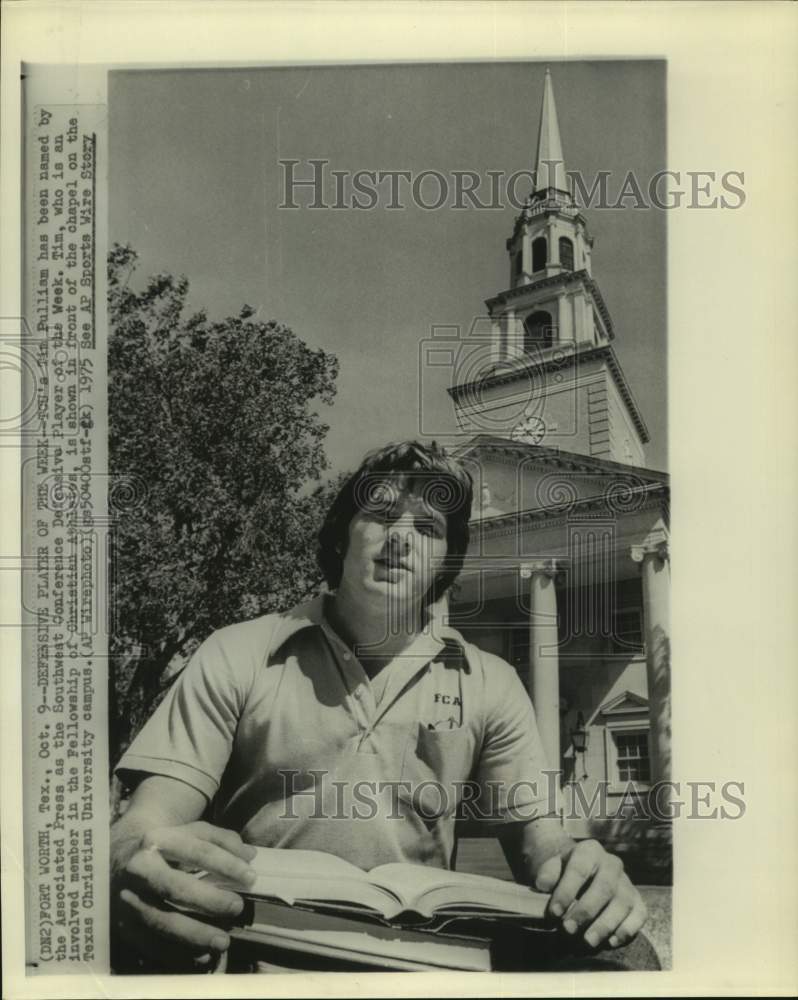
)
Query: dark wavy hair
[{"x": 407, "y": 468}]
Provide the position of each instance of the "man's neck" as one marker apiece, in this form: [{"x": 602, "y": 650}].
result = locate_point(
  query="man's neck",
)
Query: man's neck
[{"x": 375, "y": 634}]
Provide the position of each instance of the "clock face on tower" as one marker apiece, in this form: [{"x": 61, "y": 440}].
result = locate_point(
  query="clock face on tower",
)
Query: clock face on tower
[{"x": 530, "y": 429}]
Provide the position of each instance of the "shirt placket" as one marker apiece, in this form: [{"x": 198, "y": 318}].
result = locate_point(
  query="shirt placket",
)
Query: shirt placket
[
  {"x": 361, "y": 697},
  {"x": 392, "y": 695},
  {"x": 412, "y": 664}
]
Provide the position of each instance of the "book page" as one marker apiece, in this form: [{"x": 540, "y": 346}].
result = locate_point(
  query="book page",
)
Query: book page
[
  {"x": 340, "y": 893},
  {"x": 289, "y": 863},
  {"x": 428, "y": 889},
  {"x": 296, "y": 876}
]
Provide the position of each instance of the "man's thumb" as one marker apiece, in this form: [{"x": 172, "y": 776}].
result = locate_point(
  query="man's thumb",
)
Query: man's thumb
[{"x": 549, "y": 874}]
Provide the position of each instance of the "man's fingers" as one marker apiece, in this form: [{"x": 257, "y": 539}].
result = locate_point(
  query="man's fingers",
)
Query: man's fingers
[
  {"x": 228, "y": 839},
  {"x": 608, "y": 921},
  {"x": 631, "y": 925},
  {"x": 548, "y": 874},
  {"x": 155, "y": 881},
  {"x": 581, "y": 864},
  {"x": 152, "y": 876},
  {"x": 186, "y": 848},
  {"x": 177, "y": 928},
  {"x": 595, "y": 895},
  {"x": 608, "y": 882}
]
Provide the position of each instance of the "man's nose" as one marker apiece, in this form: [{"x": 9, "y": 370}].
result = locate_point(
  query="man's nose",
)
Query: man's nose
[{"x": 400, "y": 533}]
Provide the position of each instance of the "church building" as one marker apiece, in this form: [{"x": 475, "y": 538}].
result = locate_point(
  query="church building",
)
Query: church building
[{"x": 567, "y": 575}]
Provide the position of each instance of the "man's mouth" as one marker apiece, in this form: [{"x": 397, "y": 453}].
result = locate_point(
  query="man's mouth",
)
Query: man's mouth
[{"x": 392, "y": 564}]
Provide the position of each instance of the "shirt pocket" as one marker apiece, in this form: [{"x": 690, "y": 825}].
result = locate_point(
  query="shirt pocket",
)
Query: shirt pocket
[{"x": 437, "y": 766}]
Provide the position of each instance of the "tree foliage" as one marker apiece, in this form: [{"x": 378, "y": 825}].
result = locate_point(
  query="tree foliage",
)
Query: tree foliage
[{"x": 215, "y": 449}]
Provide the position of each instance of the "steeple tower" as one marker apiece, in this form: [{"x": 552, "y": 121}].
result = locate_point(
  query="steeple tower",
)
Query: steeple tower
[
  {"x": 551, "y": 330},
  {"x": 550, "y": 235}
]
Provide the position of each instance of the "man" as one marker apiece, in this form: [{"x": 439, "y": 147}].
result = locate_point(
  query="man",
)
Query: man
[{"x": 275, "y": 722}]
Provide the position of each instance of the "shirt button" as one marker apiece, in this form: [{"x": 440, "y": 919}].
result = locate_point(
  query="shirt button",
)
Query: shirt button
[{"x": 347, "y": 656}]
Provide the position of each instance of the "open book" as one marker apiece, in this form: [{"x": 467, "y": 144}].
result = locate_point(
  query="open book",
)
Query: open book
[{"x": 396, "y": 893}]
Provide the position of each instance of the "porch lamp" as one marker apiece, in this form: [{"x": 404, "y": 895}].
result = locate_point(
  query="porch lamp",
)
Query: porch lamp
[{"x": 579, "y": 735}]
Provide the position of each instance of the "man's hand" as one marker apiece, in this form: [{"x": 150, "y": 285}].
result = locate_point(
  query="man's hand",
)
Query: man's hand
[
  {"x": 592, "y": 894},
  {"x": 146, "y": 880}
]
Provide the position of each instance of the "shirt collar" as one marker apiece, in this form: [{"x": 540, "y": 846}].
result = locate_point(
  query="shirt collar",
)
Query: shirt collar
[
  {"x": 439, "y": 634},
  {"x": 301, "y": 617}
]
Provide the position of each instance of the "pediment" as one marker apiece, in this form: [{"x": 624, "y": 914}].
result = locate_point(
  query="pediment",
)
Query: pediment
[
  {"x": 510, "y": 477},
  {"x": 626, "y": 703}
]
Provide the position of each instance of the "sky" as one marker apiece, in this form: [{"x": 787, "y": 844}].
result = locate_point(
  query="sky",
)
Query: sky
[{"x": 196, "y": 185}]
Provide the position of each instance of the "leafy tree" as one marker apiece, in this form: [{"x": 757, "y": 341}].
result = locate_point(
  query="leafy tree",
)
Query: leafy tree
[{"x": 215, "y": 450}]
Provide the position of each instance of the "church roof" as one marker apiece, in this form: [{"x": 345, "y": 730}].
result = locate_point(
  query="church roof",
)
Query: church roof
[
  {"x": 624, "y": 703},
  {"x": 567, "y": 461},
  {"x": 619, "y": 487},
  {"x": 549, "y": 163}
]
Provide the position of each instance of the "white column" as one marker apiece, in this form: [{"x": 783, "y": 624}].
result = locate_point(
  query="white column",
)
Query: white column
[
  {"x": 565, "y": 326},
  {"x": 578, "y": 331},
  {"x": 497, "y": 339},
  {"x": 514, "y": 343},
  {"x": 554, "y": 246},
  {"x": 654, "y": 560},
  {"x": 587, "y": 329},
  {"x": 543, "y": 679}
]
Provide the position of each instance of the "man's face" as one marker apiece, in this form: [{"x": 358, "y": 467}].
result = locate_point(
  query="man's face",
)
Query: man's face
[{"x": 396, "y": 550}]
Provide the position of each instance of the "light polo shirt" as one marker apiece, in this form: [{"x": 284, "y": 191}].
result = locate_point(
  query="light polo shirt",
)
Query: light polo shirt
[{"x": 277, "y": 723}]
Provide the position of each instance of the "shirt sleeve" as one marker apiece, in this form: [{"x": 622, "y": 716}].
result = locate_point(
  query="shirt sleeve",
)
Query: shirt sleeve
[
  {"x": 190, "y": 735},
  {"x": 512, "y": 773}
]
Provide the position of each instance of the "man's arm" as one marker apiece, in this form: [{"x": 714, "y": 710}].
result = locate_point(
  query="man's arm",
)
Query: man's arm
[
  {"x": 160, "y": 830},
  {"x": 589, "y": 889}
]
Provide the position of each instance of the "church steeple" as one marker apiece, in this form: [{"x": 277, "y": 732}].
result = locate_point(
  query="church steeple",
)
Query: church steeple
[
  {"x": 550, "y": 235},
  {"x": 555, "y": 379},
  {"x": 549, "y": 163}
]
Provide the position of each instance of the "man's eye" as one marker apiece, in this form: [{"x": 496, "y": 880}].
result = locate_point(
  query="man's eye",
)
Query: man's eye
[
  {"x": 428, "y": 527},
  {"x": 382, "y": 515}
]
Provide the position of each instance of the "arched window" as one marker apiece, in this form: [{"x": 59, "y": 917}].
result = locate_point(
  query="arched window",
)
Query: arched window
[
  {"x": 539, "y": 253},
  {"x": 538, "y": 330},
  {"x": 566, "y": 253}
]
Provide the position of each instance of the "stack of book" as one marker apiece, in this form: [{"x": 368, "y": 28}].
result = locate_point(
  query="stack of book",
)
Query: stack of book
[{"x": 309, "y": 909}]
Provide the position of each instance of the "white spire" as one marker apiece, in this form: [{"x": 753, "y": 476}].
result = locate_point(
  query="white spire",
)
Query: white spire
[{"x": 550, "y": 167}]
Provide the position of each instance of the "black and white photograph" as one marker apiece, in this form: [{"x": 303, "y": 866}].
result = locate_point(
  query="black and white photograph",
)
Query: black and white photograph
[
  {"x": 458, "y": 336},
  {"x": 369, "y": 613}
]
